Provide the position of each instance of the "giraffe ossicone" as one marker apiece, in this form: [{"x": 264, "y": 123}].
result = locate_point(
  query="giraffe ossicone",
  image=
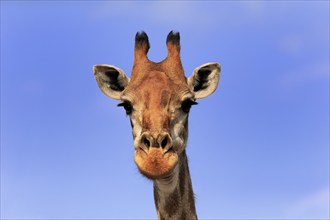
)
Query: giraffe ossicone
[{"x": 157, "y": 98}]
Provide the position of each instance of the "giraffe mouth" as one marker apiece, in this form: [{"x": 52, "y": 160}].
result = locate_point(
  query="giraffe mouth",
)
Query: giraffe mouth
[{"x": 156, "y": 162}]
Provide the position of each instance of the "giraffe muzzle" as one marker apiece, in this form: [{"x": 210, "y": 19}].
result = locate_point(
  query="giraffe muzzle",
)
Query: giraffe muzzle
[{"x": 155, "y": 156}]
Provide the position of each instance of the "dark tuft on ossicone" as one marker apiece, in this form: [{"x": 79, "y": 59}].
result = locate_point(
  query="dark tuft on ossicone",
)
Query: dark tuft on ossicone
[
  {"x": 174, "y": 38},
  {"x": 141, "y": 40}
]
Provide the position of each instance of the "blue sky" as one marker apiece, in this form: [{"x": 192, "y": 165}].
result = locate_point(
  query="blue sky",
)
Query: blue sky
[{"x": 258, "y": 147}]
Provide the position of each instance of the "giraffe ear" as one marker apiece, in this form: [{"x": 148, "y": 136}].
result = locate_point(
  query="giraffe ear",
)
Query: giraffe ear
[
  {"x": 204, "y": 80},
  {"x": 110, "y": 79}
]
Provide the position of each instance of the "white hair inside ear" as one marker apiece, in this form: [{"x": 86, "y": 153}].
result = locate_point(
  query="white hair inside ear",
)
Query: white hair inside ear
[
  {"x": 204, "y": 80},
  {"x": 110, "y": 79}
]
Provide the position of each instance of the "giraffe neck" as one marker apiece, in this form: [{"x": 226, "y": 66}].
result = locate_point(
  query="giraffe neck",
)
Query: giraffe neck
[{"x": 174, "y": 197}]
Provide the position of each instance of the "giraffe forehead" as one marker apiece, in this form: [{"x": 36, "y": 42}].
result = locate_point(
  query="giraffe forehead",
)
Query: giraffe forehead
[
  {"x": 157, "y": 98},
  {"x": 156, "y": 89}
]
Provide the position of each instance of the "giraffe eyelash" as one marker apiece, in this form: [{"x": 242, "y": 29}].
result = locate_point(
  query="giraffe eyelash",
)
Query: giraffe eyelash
[
  {"x": 127, "y": 106},
  {"x": 186, "y": 105}
]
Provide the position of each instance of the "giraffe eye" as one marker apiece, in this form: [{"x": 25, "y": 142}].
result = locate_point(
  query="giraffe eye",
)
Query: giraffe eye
[
  {"x": 127, "y": 106},
  {"x": 186, "y": 105}
]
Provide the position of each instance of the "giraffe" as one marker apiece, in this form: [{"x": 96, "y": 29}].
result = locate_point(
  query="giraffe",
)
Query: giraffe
[{"x": 157, "y": 98}]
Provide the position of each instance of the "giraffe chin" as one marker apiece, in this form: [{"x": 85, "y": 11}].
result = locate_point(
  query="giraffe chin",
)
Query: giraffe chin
[{"x": 155, "y": 164}]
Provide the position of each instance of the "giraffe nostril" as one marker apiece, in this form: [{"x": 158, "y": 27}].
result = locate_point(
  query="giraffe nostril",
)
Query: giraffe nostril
[
  {"x": 164, "y": 142},
  {"x": 146, "y": 142}
]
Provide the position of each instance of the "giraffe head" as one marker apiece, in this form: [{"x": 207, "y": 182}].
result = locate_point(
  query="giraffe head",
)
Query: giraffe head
[{"x": 157, "y": 98}]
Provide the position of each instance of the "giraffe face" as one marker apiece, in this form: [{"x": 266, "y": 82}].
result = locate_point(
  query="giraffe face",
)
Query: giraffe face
[
  {"x": 158, "y": 108},
  {"x": 157, "y": 98}
]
